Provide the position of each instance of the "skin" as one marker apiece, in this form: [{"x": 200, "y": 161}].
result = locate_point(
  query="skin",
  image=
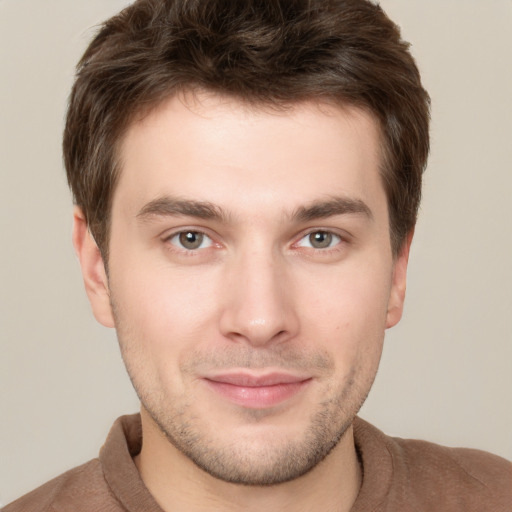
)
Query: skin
[{"x": 287, "y": 269}]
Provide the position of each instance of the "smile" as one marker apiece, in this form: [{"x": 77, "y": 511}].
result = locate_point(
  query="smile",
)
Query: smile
[{"x": 257, "y": 392}]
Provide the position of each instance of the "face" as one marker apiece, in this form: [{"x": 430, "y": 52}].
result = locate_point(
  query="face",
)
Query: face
[{"x": 250, "y": 280}]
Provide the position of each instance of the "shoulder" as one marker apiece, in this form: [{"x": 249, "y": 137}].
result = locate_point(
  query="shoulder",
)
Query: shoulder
[
  {"x": 459, "y": 477},
  {"x": 480, "y": 467},
  {"x": 408, "y": 474},
  {"x": 81, "y": 485}
]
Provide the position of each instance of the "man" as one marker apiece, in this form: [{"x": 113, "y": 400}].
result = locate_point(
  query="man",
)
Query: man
[{"x": 247, "y": 178}]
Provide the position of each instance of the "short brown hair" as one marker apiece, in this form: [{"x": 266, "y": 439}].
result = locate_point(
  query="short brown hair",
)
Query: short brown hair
[{"x": 260, "y": 51}]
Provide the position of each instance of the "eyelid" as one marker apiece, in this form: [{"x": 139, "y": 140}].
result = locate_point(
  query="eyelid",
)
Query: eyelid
[
  {"x": 205, "y": 241},
  {"x": 170, "y": 234},
  {"x": 343, "y": 236}
]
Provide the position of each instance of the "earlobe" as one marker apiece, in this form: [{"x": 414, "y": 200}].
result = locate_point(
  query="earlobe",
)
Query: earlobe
[
  {"x": 398, "y": 284},
  {"x": 93, "y": 269}
]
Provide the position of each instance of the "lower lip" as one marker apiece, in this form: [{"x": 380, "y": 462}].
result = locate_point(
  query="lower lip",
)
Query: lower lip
[{"x": 257, "y": 397}]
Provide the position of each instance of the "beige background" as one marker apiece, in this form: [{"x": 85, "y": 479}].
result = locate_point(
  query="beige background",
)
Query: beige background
[{"x": 446, "y": 373}]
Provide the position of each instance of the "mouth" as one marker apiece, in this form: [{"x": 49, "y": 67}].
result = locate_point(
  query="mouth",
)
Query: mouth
[{"x": 257, "y": 391}]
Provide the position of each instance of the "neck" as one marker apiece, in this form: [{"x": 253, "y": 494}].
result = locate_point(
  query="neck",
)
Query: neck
[{"x": 177, "y": 483}]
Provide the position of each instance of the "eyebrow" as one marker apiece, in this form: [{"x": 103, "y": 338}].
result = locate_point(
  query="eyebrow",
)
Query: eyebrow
[
  {"x": 331, "y": 207},
  {"x": 170, "y": 206}
]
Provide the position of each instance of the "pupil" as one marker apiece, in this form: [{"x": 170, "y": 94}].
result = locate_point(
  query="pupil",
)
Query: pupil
[
  {"x": 191, "y": 239},
  {"x": 320, "y": 239}
]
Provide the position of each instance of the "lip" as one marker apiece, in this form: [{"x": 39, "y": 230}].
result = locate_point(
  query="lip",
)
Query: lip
[{"x": 257, "y": 391}]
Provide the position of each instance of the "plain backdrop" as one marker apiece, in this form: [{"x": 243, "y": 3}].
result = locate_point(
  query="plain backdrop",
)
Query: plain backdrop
[{"x": 446, "y": 373}]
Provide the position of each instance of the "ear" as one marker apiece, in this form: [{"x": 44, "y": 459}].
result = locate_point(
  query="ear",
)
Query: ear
[
  {"x": 93, "y": 269},
  {"x": 398, "y": 284}
]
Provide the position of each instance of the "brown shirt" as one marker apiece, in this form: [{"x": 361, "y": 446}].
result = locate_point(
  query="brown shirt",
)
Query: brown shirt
[{"x": 398, "y": 475}]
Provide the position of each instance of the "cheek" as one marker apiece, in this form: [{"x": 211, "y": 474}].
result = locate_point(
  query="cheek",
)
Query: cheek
[
  {"x": 161, "y": 308},
  {"x": 158, "y": 322},
  {"x": 348, "y": 299},
  {"x": 348, "y": 316}
]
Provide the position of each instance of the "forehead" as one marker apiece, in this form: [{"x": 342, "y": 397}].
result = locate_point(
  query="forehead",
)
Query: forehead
[{"x": 218, "y": 149}]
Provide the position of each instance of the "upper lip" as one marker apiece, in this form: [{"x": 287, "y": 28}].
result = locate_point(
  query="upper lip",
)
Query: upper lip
[{"x": 251, "y": 380}]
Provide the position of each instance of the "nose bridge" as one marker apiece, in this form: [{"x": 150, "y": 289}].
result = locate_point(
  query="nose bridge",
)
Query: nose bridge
[{"x": 259, "y": 309}]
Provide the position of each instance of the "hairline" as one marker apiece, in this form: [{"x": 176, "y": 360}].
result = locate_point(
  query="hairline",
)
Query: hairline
[{"x": 141, "y": 112}]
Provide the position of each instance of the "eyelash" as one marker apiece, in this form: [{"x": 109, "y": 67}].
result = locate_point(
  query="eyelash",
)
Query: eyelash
[
  {"x": 328, "y": 232},
  {"x": 342, "y": 239},
  {"x": 183, "y": 250}
]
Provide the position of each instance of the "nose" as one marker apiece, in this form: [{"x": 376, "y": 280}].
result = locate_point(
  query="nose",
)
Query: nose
[{"x": 259, "y": 304}]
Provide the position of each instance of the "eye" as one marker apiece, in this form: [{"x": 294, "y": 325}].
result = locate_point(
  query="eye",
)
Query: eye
[
  {"x": 320, "y": 240},
  {"x": 191, "y": 240}
]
